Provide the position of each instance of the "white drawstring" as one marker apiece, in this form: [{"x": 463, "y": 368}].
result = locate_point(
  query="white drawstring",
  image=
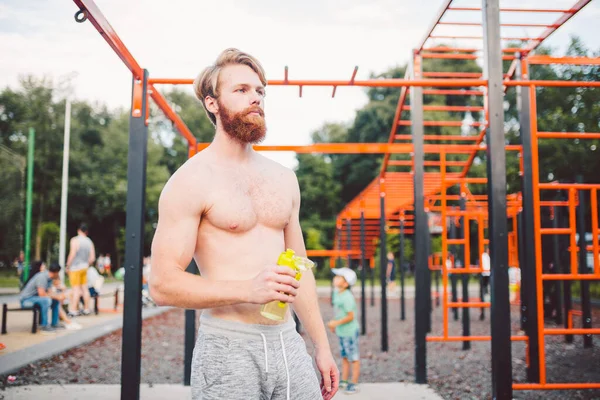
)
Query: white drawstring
[
  {"x": 287, "y": 371},
  {"x": 266, "y": 356}
]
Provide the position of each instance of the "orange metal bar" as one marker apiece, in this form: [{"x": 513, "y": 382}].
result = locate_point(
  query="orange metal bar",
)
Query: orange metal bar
[
  {"x": 555, "y": 231},
  {"x": 506, "y": 25},
  {"x": 468, "y": 75},
  {"x": 538, "y": 226},
  {"x": 569, "y": 135},
  {"x": 469, "y": 305},
  {"x": 545, "y": 60},
  {"x": 452, "y": 56},
  {"x": 531, "y": 10},
  {"x": 108, "y": 33},
  {"x": 373, "y": 148},
  {"x": 567, "y": 186},
  {"x": 449, "y": 92},
  {"x": 574, "y": 331},
  {"x": 573, "y": 226},
  {"x": 555, "y": 386},
  {"x": 362, "y": 83},
  {"x": 394, "y": 129},
  {"x": 447, "y": 108},
  {"x": 441, "y": 138},
  {"x": 553, "y": 83},
  {"x": 162, "y": 103},
  {"x": 409, "y": 163},
  {"x": 471, "y": 338},
  {"x": 442, "y": 123},
  {"x": 571, "y": 277}
]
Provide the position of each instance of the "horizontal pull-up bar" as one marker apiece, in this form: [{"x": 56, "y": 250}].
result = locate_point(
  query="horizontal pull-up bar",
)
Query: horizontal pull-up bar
[
  {"x": 523, "y": 10},
  {"x": 363, "y": 83},
  {"x": 373, "y": 148},
  {"x": 402, "y": 82}
]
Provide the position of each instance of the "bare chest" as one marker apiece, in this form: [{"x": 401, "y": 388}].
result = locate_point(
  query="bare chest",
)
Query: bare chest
[{"x": 239, "y": 202}]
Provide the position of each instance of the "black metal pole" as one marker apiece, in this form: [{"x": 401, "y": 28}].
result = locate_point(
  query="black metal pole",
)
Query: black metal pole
[
  {"x": 363, "y": 276},
  {"x": 383, "y": 275},
  {"x": 421, "y": 234},
  {"x": 428, "y": 276},
  {"x": 528, "y": 268},
  {"x": 131, "y": 347},
  {"x": 190, "y": 335},
  {"x": 401, "y": 267},
  {"x": 466, "y": 314},
  {"x": 557, "y": 268},
  {"x": 521, "y": 246},
  {"x": 453, "y": 277},
  {"x": 586, "y": 307},
  {"x": 498, "y": 230}
]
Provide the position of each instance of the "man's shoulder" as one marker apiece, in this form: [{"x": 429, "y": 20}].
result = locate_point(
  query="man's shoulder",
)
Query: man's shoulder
[{"x": 276, "y": 167}]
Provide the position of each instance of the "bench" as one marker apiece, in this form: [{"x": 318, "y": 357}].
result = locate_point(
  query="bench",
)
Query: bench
[
  {"x": 36, "y": 316},
  {"x": 96, "y": 299},
  {"x": 98, "y": 296}
]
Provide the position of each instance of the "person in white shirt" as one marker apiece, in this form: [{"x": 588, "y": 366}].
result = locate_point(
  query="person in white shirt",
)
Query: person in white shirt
[{"x": 486, "y": 269}]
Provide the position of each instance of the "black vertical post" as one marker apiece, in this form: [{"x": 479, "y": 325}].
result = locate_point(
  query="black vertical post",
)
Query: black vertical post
[
  {"x": 466, "y": 314},
  {"x": 520, "y": 245},
  {"x": 586, "y": 307},
  {"x": 453, "y": 277},
  {"x": 383, "y": 274},
  {"x": 496, "y": 167},
  {"x": 528, "y": 268},
  {"x": 421, "y": 234},
  {"x": 349, "y": 240},
  {"x": 401, "y": 267},
  {"x": 428, "y": 276},
  {"x": 190, "y": 335},
  {"x": 363, "y": 276},
  {"x": 437, "y": 287},
  {"x": 131, "y": 347},
  {"x": 557, "y": 268}
]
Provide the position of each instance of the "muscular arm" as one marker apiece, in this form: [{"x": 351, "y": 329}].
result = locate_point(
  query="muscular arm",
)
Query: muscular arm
[
  {"x": 172, "y": 251},
  {"x": 307, "y": 303}
]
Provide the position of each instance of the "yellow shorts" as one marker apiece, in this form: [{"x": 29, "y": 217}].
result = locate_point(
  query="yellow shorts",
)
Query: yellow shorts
[{"x": 78, "y": 278}]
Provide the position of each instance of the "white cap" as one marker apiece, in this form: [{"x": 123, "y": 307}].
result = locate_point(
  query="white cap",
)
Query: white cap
[{"x": 348, "y": 274}]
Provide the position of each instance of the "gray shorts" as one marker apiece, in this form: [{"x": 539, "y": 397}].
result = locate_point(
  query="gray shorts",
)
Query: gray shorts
[{"x": 237, "y": 361}]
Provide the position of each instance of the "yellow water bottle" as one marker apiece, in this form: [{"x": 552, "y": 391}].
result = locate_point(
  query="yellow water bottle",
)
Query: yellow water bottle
[{"x": 276, "y": 310}]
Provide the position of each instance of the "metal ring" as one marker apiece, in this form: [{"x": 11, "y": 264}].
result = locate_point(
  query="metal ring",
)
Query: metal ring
[{"x": 81, "y": 16}]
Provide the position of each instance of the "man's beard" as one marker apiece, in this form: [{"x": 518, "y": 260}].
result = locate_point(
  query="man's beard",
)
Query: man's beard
[{"x": 242, "y": 126}]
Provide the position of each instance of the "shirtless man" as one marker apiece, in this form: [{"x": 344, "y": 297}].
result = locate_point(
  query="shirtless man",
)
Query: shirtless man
[{"x": 234, "y": 211}]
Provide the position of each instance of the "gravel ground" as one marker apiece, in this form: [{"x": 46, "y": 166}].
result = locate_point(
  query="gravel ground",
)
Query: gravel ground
[{"x": 452, "y": 372}]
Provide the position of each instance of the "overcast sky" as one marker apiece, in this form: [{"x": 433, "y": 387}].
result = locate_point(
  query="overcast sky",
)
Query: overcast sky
[{"x": 316, "y": 39}]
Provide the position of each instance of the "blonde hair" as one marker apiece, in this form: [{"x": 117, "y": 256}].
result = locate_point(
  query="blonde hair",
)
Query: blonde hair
[{"x": 206, "y": 84}]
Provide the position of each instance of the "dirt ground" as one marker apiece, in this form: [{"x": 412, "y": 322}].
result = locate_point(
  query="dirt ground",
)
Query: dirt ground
[{"x": 454, "y": 373}]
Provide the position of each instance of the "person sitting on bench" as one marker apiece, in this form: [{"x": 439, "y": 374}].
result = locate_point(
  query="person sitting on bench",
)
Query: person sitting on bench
[{"x": 35, "y": 292}]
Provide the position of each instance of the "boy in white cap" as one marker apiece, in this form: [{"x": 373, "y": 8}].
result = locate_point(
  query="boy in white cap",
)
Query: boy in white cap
[{"x": 345, "y": 326}]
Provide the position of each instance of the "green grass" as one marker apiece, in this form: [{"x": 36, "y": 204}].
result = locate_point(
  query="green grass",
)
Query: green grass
[{"x": 9, "y": 279}]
